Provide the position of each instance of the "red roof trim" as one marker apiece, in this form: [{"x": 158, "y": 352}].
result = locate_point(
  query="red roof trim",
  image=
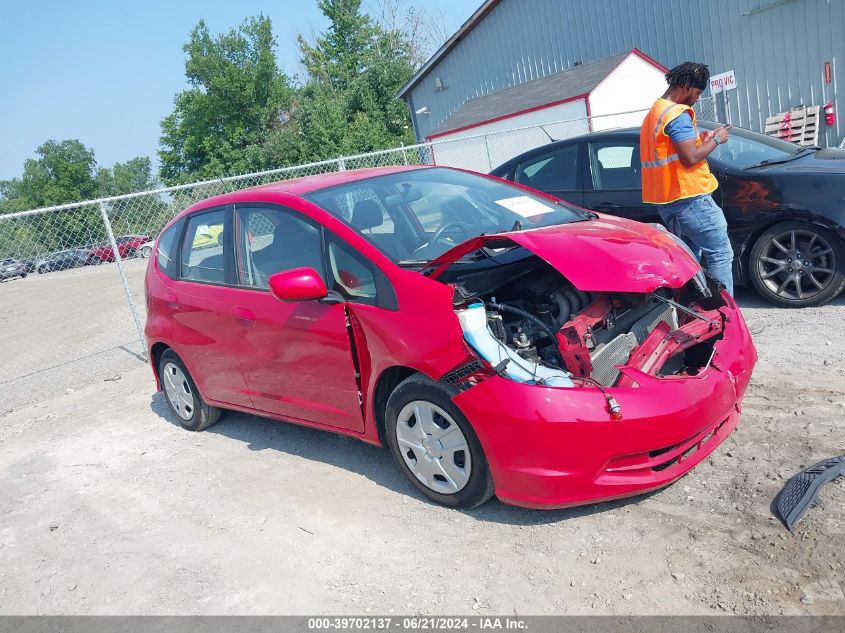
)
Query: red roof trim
[
  {"x": 651, "y": 61},
  {"x": 508, "y": 116}
]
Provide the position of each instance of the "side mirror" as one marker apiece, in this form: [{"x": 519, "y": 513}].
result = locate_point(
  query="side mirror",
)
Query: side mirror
[{"x": 298, "y": 284}]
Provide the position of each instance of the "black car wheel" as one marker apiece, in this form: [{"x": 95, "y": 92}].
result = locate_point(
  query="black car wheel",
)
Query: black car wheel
[{"x": 795, "y": 265}]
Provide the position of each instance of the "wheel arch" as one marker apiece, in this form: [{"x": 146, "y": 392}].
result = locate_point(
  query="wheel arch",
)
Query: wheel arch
[
  {"x": 387, "y": 381},
  {"x": 156, "y": 351}
]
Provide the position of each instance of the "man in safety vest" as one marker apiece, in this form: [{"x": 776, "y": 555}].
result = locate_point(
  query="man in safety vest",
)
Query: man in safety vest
[{"x": 675, "y": 173}]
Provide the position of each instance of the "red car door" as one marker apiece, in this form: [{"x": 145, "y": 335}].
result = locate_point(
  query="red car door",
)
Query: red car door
[
  {"x": 199, "y": 305},
  {"x": 296, "y": 357}
]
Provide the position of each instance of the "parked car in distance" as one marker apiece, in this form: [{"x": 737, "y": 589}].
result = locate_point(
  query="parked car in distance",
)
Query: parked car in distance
[
  {"x": 205, "y": 236},
  {"x": 782, "y": 202},
  {"x": 10, "y": 268},
  {"x": 127, "y": 246},
  {"x": 145, "y": 249},
  {"x": 462, "y": 321},
  {"x": 62, "y": 260}
]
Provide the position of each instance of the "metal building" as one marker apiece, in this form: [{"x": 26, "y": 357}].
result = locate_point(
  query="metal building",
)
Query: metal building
[{"x": 784, "y": 52}]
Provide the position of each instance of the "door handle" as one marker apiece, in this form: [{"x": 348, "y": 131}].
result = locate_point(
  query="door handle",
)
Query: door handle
[
  {"x": 243, "y": 316},
  {"x": 606, "y": 205}
]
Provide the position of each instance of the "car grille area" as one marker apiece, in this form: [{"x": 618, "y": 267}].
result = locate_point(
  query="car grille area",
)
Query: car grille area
[
  {"x": 605, "y": 358},
  {"x": 662, "y": 460}
]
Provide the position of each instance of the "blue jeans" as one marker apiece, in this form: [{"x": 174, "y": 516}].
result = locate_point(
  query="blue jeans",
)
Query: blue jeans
[{"x": 700, "y": 223}]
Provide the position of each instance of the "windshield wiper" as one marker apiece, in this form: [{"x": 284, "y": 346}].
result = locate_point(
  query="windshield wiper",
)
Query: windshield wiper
[
  {"x": 771, "y": 161},
  {"x": 412, "y": 262}
]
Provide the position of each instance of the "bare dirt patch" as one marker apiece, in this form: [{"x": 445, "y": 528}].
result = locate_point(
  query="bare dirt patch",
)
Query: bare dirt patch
[{"x": 111, "y": 508}]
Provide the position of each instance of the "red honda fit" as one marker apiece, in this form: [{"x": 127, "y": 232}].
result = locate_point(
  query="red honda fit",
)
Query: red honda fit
[{"x": 497, "y": 340}]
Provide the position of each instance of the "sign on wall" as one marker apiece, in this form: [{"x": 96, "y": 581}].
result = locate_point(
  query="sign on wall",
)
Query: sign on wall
[{"x": 723, "y": 81}]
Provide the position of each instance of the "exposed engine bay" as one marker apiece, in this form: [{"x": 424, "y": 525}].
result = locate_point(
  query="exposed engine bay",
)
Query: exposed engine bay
[{"x": 532, "y": 325}]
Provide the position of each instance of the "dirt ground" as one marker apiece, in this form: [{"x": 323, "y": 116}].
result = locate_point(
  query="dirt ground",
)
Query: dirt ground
[{"x": 109, "y": 507}]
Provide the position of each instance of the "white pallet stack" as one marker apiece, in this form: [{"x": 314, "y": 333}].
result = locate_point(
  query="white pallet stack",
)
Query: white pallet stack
[{"x": 801, "y": 128}]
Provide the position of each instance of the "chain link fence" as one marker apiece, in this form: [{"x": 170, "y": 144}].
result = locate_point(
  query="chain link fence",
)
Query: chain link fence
[
  {"x": 706, "y": 110},
  {"x": 71, "y": 301}
]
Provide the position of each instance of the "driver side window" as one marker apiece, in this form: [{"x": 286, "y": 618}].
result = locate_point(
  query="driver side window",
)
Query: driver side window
[{"x": 271, "y": 240}]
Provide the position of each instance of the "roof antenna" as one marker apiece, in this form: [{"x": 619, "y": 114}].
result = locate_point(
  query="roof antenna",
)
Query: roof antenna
[{"x": 553, "y": 140}]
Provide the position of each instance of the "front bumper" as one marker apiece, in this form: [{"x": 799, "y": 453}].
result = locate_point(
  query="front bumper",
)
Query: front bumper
[{"x": 557, "y": 447}]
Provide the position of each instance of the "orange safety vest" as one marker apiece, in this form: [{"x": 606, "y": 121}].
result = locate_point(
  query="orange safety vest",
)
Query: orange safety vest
[{"x": 665, "y": 179}]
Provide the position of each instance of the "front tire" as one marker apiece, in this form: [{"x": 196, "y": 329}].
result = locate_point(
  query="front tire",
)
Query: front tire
[
  {"x": 182, "y": 395},
  {"x": 797, "y": 264},
  {"x": 435, "y": 446}
]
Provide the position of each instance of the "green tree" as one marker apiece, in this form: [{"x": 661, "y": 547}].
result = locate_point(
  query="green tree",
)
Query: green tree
[
  {"x": 129, "y": 177},
  {"x": 238, "y": 96},
  {"x": 66, "y": 172},
  {"x": 348, "y": 105},
  {"x": 337, "y": 56},
  {"x": 63, "y": 172}
]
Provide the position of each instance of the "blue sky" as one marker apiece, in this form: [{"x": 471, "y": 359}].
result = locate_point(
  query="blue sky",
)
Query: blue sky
[{"x": 106, "y": 72}]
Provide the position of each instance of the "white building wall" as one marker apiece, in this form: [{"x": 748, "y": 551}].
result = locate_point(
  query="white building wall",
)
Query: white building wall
[
  {"x": 633, "y": 85},
  {"x": 489, "y": 145}
]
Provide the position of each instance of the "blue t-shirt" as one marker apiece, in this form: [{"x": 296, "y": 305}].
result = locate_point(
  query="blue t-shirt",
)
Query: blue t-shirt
[{"x": 681, "y": 129}]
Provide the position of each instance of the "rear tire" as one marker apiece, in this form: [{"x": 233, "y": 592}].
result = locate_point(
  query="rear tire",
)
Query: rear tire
[
  {"x": 435, "y": 446},
  {"x": 182, "y": 395},
  {"x": 785, "y": 276}
]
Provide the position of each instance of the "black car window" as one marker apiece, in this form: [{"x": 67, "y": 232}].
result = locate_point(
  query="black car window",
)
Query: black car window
[
  {"x": 745, "y": 148},
  {"x": 555, "y": 171},
  {"x": 203, "y": 259},
  {"x": 270, "y": 239},
  {"x": 166, "y": 249},
  {"x": 615, "y": 165}
]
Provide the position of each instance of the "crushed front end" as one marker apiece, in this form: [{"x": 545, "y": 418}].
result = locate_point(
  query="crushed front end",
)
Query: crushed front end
[{"x": 580, "y": 396}]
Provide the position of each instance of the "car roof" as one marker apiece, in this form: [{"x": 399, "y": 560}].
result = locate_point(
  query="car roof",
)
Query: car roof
[{"x": 300, "y": 186}]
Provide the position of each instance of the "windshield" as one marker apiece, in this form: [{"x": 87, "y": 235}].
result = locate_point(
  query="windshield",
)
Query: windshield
[
  {"x": 745, "y": 148},
  {"x": 416, "y": 216}
]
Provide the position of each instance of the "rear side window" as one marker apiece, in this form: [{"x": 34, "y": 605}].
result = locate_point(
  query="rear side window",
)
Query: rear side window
[
  {"x": 167, "y": 249},
  {"x": 202, "y": 248},
  {"x": 555, "y": 171},
  {"x": 615, "y": 165}
]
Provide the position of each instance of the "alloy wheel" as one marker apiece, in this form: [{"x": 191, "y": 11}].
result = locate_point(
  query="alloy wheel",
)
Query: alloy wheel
[
  {"x": 433, "y": 447},
  {"x": 178, "y": 391},
  {"x": 797, "y": 264}
]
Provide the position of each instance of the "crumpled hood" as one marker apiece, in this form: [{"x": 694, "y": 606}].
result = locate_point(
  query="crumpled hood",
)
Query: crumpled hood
[{"x": 608, "y": 254}]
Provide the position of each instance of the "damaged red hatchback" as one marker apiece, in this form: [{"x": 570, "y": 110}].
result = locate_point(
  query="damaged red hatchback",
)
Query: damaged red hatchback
[{"x": 497, "y": 340}]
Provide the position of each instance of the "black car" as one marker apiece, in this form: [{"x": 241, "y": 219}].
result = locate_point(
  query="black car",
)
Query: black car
[
  {"x": 12, "y": 268},
  {"x": 62, "y": 260},
  {"x": 784, "y": 204}
]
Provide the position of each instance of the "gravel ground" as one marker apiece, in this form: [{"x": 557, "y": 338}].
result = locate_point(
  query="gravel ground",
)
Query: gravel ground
[{"x": 111, "y": 508}]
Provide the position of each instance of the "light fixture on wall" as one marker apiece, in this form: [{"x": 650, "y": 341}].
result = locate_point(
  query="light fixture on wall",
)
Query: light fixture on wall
[
  {"x": 424, "y": 110},
  {"x": 438, "y": 85}
]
